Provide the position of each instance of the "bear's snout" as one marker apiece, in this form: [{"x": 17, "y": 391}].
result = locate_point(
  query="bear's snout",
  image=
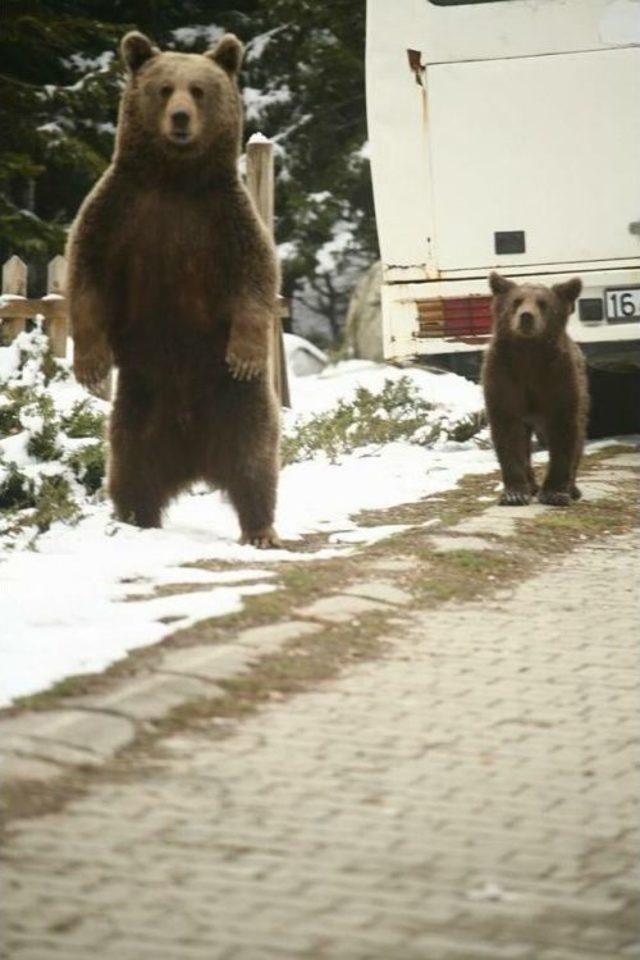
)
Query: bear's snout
[
  {"x": 181, "y": 122},
  {"x": 181, "y": 127},
  {"x": 527, "y": 322}
]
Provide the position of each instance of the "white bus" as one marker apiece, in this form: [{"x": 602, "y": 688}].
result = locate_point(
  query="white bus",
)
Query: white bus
[{"x": 505, "y": 135}]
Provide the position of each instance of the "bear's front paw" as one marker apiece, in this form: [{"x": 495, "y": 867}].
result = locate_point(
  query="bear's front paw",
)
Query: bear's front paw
[
  {"x": 554, "y": 498},
  {"x": 576, "y": 492},
  {"x": 511, "y": 497},
  {"x": 245, "y": 366},
  {"x": 91, "y": 369}
]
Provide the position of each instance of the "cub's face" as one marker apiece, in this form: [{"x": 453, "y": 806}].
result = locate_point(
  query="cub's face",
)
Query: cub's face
[
  {"x": 531, "y": 312},
  {"x": 183, "y": 103}
]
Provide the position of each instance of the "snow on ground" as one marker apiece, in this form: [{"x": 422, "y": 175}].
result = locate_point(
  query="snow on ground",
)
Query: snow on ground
[
  {"x": 311, "y": 395},
  {"x": 63, "y": 602}
]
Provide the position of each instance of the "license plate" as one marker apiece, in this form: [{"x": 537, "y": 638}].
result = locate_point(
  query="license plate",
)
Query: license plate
[{"x": 623, "y": 304}]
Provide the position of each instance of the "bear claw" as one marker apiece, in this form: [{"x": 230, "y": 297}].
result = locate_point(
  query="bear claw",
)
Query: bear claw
[
  {"x": 514, "y": 498},
  {"x": 91, "y": 375},
  {"x": 554, "y": 498},
  {"x": 264, "y": 539},
  {"x": 243, "y": 369}
]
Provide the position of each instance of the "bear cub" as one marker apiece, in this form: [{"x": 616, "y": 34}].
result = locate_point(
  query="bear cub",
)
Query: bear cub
[
  {"x": 174, "y": 279},
  {"x": 534, "y": 380}
]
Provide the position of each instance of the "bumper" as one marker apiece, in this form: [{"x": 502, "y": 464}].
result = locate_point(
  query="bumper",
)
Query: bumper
[{"x": 604, "y": 343}]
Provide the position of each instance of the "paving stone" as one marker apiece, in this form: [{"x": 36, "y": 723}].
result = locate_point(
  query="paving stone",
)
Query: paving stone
[
  {"x": 152, "y": 697},
  {"x": 25, "y": 768},
  {"x": 593, "y": 491},
  {"x": 56, "y": 753},
  {"x": 380, "y": 590},
  {"x": 209, "y": 661},
  {"x": 340, "y": 608},
  {"x": 490, "y": 750},
  {"x": 626, "y": 459},
  {"x": 483, "y": 524},
  {"x": 499, "y": 521},
  {"x": 71, "y": 736},
  {"x": 447, "y": 544},
  {"x": 271, "y": 637},
  {"x": 392, "y": 565}
]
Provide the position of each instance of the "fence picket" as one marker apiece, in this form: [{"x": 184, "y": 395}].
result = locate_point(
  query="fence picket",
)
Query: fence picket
[
  {"x": 14, "y": 282},
  {"x": 58, "y": 326}
]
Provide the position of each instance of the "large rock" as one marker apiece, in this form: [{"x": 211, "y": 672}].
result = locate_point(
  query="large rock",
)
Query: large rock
[{"x": 364, "y": 317}]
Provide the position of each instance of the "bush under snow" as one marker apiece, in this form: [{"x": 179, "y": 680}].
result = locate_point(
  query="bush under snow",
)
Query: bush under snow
[
  {"x": 52, "y": 452},
  {"x": 52, "y": 448}
]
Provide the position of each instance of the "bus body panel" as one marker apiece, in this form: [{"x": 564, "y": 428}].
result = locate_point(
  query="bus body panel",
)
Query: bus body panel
[
  {"x": 400, "y": 314},
  {"x": 518, "y": 116},
  {"x": 534, "y": 146}
]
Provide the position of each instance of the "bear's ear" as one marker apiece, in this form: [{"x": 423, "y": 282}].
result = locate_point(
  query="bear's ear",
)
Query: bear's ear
[
  {"x": 136, "y": 49},
  {"x": 499, "y": 285},
  {"x": 228, "y": 53},
  {"x": 569, "y": 291}
]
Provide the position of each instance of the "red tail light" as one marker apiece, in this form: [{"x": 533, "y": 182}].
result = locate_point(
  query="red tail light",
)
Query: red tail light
[
  {"x": 467, "y": 316},
  {"x": 456, "y": 317}
]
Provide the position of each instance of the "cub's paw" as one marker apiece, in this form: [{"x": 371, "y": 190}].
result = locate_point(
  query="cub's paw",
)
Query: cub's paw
[
  {"x": 263, "y": 539},
  {"x": 576, "y": 493},
  {"x": 554, "y": 498},
  {"x": 514, "y": 498},
  {"x": 91, "y": 369},
  {"x": 245, "y": 365}
]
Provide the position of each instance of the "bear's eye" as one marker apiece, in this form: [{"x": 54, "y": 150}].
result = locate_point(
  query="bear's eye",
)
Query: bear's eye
[
  {"x": 166, "y": 91},
  {"x": 517, "y": 303},
  {"x": 542, "y": 304},
  {"x": 197, "y": 93}
]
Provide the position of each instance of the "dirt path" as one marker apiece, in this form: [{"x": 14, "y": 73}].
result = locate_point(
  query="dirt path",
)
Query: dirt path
[{"x": 467, "y": 792}]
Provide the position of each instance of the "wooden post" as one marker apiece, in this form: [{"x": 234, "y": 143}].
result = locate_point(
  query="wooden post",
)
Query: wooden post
[
  {"x": 58, "y": 327},
  {"x": 261, "y": 186},
  {"x": 14, "y": 281},
  {"x": 260, "y": 178}
]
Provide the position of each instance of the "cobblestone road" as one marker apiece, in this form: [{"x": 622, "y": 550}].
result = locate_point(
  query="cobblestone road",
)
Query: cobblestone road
[{"x": 472, "y": 796}]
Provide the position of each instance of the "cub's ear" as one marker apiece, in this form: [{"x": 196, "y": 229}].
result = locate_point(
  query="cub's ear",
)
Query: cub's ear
[
  {"x": 136, "y": 49},
  {"x": 228, "y": 53},
  {"x": 499, "y": 285},
  {"x": 569, "y": 291}
]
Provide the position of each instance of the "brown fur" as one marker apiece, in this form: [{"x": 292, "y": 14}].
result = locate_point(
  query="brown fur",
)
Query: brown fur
[
  {"x": 534, "y": 379},
  {"x": 173, "y": 278}
]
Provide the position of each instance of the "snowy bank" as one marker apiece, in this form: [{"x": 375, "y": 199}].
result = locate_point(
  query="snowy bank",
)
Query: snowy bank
[{"x": 85, "y": 593}]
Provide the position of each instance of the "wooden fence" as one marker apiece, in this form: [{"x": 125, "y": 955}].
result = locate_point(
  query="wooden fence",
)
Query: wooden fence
[{"x": 16, "y": 308}]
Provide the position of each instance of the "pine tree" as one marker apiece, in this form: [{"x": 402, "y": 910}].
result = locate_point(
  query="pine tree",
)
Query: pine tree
[
  {"x": 309, "y": 65},
  {"x": 60, "y": 80}
]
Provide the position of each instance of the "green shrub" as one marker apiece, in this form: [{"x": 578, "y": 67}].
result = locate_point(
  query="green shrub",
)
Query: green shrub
[
  {"x": 16, "y": 490},
  {"x": 83, "y": 421},
  {"x": 43, "y": 445},
  {"x": 393, "y": 414},
  {"x": 47, "y": 491},
  {"x": 88, "y": 464},
  {"x": 54, "y": 502}
]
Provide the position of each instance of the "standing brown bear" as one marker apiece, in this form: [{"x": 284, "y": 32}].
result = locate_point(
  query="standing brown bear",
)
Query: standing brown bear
[
  {"x": 173, "y": 278},
  {"x": 534, "y": 379}
]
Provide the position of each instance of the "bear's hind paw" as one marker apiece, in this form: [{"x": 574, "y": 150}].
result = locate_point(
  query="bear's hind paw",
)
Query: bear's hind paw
[
  {"x": 554, "y": 498},
  {"x": 263, "y": 539},
  {"x": 514, "y": 498}
]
